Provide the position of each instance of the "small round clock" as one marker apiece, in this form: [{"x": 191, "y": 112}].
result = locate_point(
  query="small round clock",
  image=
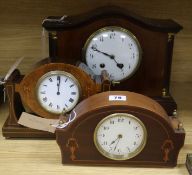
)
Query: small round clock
[
  {"x": 115, "y": 50},
  {"x": 120, "y": 136},
  {"x": 54, "y": 88},
  {"x": 58, "y": 91}
]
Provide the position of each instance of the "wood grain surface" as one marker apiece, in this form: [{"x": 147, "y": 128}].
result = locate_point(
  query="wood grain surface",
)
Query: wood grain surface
[{"x": 20, "y": 29}]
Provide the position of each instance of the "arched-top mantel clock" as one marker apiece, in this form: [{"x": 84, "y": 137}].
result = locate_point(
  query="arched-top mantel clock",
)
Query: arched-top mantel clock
[{"x": 135, "y": 51}]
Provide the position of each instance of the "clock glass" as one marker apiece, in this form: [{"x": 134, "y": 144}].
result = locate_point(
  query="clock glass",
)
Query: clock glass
[
  {"x": 58, "y": 91},
  {"x": 115, "y": 50},
  {"x": 120, "y": 136}
]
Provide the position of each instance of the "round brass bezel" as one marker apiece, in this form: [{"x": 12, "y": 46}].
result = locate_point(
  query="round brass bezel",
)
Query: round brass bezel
[
  {"x": 120, "y": 157},
  {"x": 117, "y": 29},
  {"x": 57, "y": 72}
]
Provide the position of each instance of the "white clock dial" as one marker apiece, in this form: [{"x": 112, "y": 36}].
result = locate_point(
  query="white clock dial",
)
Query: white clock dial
[
  {"x": 115, "y": 50},
  {"x": 58, "y": 91},
  {"x": 120, "y": 136}
]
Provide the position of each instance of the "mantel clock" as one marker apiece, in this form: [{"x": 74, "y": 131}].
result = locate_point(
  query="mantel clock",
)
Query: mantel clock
[
  {"x": 48, "y": 91},
  {"x": 135, "y": 51},
  {"x": 121, "y": 128}
]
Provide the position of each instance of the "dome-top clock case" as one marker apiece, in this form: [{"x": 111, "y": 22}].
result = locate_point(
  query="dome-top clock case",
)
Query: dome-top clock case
[
  {"x": 120, "y": 128},
  {"x": 136, "y": 51}
]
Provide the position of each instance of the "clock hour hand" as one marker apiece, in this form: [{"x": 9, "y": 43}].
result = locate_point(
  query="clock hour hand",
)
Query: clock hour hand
[
  {"x": 58, "y": 84},
  {"x": 119, "y": 65},
  {"x": 113, "y": 141}
]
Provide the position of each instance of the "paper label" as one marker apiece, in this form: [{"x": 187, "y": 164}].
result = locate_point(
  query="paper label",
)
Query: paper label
[
  {"x": 117, "y": 98},
  {"x": 86, "y": 69},
  {"x": 35, "y": 122},
  {"x": 62, "y": 124}
]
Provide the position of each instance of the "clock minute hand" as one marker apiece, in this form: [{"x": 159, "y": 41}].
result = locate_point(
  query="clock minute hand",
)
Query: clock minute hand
[
  {"x": 119, "y": 65},
  {"x": 104, "y": 53}
]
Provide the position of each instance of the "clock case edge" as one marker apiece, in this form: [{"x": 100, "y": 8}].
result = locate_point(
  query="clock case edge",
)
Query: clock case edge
[
  {"x": 54, "y": 23},
  {"x": 1, "y": 94},
  {"x": 11, "y": 128}
]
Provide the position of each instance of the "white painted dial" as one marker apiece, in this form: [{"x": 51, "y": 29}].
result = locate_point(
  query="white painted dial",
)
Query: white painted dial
[
  {"x": 58, "y": 91},
  {"x": 120, "y": 136},
  {"x": 115, "y": 50}
]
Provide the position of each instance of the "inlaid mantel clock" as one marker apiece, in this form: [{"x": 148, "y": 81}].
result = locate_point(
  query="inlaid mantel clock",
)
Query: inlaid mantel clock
[
  {"x": 47, "y": 92},
  {"x": 121, "y": 128},
  {"x": 135, "y": 51}
]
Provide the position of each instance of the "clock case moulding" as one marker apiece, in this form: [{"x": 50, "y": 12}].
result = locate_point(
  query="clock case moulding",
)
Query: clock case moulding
[
  {"x": 1, "y": 94},
  {"x": 68, "y": 35},
  {"x": 21, "y": 96},
  {"x": 165, "y": 134}
]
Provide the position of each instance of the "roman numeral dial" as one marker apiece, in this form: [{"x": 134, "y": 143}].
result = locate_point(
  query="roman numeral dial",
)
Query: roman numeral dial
[{"x": 57, "y": 91}]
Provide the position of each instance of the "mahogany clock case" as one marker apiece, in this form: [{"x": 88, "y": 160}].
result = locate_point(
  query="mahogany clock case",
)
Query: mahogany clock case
[
  {"x": 164, "y": 137},
  {"x": 21, "y": 96},
  {"x": 67, "y": 37}
]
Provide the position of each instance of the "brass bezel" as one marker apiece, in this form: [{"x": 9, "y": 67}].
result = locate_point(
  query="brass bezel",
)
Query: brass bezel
[
  {"x": 57, "y": 72},
  {"x": 121, "y": 29},
  {"x": 116, "y": 157}
]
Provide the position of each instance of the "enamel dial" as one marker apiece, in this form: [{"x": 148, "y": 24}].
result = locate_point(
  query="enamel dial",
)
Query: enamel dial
[
  {"x": 120, "y": 136},
  {"x": 57, "y": 92},
  {"x": 115, "y": 50}
]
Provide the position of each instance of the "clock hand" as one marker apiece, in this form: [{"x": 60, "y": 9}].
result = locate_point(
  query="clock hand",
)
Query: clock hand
[
  {"x": 118, "y": 138},
  {"x": 104, "y": 53},
  {"x": 119, "y": 65},
  {"x": 116, "y": 144},
  {"x": 58, "y": 84},
  {"x": 114, "y": 141}
]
